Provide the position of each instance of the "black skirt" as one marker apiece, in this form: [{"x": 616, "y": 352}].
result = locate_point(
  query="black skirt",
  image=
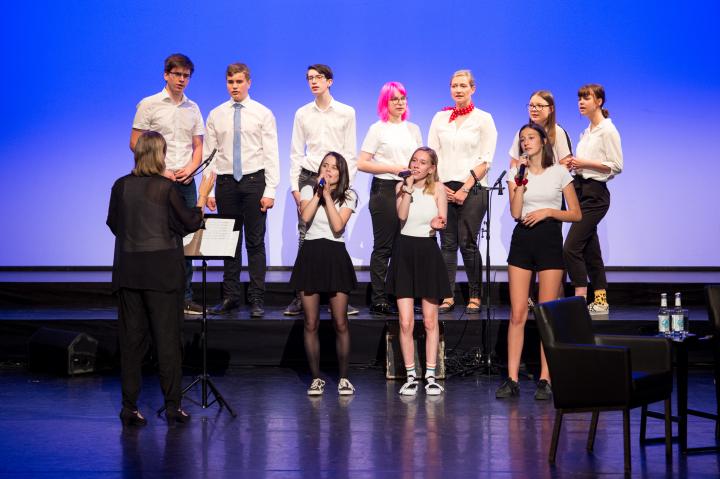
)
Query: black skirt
[
  {"x": 417, "y": 269},
  {"x": 323, "y": 266}
]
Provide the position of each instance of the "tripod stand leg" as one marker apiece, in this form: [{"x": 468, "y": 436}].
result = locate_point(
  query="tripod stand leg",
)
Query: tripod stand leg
[
  {"x": 183, "y": 392},
  {"x": 219, "y": 397}
]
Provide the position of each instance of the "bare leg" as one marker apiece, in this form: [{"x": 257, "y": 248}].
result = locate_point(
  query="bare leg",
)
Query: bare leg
[
  {"x": 550, "y": 283},
  {"x": 407, "y": 323},
  {"x": 432, "y": 330},
  {"x": 519, "y": 282},
  {"x": 311, "y": 306}
]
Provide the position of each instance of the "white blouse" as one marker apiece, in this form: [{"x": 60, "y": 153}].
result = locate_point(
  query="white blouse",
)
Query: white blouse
[
  {"x": 602, "y": 144},
  {"x": 461, "y": 148},
  {"x": 392, "y": 144}
]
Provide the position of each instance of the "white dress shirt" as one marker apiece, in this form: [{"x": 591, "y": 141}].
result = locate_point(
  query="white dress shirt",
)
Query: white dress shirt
[
  {"x": 392, "y": 144},
  {"x": 259, "y": 141},
  {"x": 602, "y": 144},
  {"x": 561, "y": 149},
  {"x": 316, "y": 132},
  {"x": 319, "y": 226},
  {"x": 176, "y": 123},
  {"x": 460, "y": 149}
]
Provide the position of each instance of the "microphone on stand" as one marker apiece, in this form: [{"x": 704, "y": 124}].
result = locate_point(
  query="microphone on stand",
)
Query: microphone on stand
[
  {"x": 204, "y": 164},
  {"x": 498, "y": 182}
]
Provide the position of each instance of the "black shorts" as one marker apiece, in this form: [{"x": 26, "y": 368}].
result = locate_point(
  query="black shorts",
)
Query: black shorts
[{"x": 537, "y": 248}]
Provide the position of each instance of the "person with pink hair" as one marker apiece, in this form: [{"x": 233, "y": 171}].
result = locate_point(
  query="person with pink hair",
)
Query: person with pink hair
[{"x": 384, "y": 153}]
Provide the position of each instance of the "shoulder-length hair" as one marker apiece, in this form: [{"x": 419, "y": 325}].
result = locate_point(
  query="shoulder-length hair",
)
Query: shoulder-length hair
[
  {"x": 431, "y": 179},
  {"x": 389, "y": 90},
  {"x": 548, "y": 157},
  {"x": 150, "y": 152},
  {"x": 551, "y": 120},
  {"x": 341, "y": 193}
]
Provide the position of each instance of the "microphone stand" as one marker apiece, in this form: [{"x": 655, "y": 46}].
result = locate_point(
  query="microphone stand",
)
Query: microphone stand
[{"x": 488, "y": 363}]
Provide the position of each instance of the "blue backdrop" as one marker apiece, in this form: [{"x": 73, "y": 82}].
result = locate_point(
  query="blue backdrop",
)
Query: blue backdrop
[{"x": 74, "y": 71}]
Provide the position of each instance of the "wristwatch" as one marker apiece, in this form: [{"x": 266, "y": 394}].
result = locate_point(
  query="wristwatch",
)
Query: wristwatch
[{"x": 465, "y": 189}]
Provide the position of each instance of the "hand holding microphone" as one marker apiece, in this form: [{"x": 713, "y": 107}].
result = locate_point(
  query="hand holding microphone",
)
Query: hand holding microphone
[{"x": 520, "y": 179}]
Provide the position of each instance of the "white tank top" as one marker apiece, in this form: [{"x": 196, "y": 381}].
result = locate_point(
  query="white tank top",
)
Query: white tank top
[{"x": 422, "y": 210}]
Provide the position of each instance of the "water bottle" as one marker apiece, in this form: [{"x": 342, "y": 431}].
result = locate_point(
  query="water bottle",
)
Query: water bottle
[
  {"x": 678, "y": 318},
  {"x": 664, "y": 316}
]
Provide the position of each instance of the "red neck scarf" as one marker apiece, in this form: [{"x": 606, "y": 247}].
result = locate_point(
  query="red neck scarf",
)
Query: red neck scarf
[{"x": 456, "y": 112}]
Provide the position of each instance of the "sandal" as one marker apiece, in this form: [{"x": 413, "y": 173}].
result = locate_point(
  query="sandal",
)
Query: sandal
[
  {"x": 473, "y": 306},
  {"x": 446, "y": 306}
]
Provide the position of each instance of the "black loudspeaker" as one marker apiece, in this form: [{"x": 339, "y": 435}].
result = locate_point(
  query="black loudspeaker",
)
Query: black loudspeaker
[
  {"x": 394, "y": 365},
  {"x": 62, "y": 352}
]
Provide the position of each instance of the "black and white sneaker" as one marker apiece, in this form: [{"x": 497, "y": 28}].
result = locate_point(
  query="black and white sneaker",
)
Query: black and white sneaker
[
  {"x": 410, "y": 387},
  {"x": 316, "y": 388},
  {"x": 432, "y": 388},
  {"x": 345, "y": 387}
]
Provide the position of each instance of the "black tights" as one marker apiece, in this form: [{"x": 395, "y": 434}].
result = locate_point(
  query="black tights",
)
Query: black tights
[{"x": 338, "y": 307}]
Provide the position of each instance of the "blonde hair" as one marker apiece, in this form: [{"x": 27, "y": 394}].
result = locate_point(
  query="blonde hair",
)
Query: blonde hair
[
  {"x": 431, "y": 179},
  {"x": 467, "y": 73},
  {"x": 150, "y": 152}
]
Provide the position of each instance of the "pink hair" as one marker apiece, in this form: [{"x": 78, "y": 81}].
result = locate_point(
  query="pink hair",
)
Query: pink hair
[{"x": 387, "y": 91}]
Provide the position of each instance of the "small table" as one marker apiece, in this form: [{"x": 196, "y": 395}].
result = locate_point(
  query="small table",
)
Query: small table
[{"x": 681, "y": 346}]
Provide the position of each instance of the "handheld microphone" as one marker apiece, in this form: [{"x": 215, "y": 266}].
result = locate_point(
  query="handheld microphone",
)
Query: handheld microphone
[
  {"x": 521, "y": 170},
  {"x": 404, "y": 174},
  {"x": 321, "y": 183}
]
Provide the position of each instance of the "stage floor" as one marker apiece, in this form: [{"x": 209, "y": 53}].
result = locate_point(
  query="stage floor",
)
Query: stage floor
[{"x": 68, "y": 428}]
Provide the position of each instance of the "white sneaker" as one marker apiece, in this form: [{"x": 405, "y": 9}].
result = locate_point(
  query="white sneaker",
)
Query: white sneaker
[
  {"x": 410, "y": 387},
  {"x": 432, "y": 388},
  {"x": 345, "y": 387},
  {"x": 595, "y": 308},
  {"x": 316, "y": 388}
]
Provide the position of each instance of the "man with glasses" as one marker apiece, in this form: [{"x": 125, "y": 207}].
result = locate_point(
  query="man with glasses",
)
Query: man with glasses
[
  {"x": 321, "y": 126},
  {"x": 179, "y": 121}
]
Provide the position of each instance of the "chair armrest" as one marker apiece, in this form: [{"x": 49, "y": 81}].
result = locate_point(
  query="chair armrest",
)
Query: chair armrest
[
  {"x": 587, "y": 375},
  {"x": 646, "y": 353}
]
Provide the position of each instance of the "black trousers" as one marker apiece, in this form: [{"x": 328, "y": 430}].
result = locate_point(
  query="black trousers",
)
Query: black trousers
[
  {"x": 581, "y": 251},
  {"x": 463, "y": 227},
  {"x": 386, "y": 225},
  {"x": 142, "y": 315},
  {"x": 242, "y": 200}
]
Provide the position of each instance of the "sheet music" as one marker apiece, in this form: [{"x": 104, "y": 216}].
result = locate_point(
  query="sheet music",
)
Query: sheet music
[{"x": 217, "y": 239}]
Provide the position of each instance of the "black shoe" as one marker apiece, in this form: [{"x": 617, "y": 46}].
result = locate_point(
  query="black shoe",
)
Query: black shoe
[
  {"x": 508, "y": 389},
  {"x": 384, "y": 309},
  {"x": 177, "y": 416},
  {"x": 191, "y": 307},
  {"x": 132, "y": 418},
  {"x": 256, "y": 309},
  {"x": 543, "y": 391},
  {"x": 225, "y": 307}
]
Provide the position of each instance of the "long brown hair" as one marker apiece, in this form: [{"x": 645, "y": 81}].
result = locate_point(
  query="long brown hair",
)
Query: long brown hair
[{"x": 551, "y": 120}]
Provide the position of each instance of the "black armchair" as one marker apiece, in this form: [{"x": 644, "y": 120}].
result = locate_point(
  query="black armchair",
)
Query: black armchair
[{"x": 593, "y": 373}]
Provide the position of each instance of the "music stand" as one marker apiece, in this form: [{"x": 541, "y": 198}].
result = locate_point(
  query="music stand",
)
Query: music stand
[{"x": 219, "y": 244}]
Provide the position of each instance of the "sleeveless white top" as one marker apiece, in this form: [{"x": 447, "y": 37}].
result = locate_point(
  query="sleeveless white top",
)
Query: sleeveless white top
[{"x": 422, "y": 210}]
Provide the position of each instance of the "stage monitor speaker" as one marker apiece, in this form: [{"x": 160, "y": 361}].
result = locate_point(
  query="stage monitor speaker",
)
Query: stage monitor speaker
[
  {"x": 394, "y": 364},
  {"x": 62, "y": 352}
]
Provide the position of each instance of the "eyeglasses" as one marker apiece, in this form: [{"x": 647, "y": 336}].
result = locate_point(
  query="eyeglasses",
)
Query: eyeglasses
[
  {"x": 534, "y": 107},
  {"x": 399, "y": 99},
  {"x": 180, "y": 75},
  {"x": 317, "y": 77}
]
